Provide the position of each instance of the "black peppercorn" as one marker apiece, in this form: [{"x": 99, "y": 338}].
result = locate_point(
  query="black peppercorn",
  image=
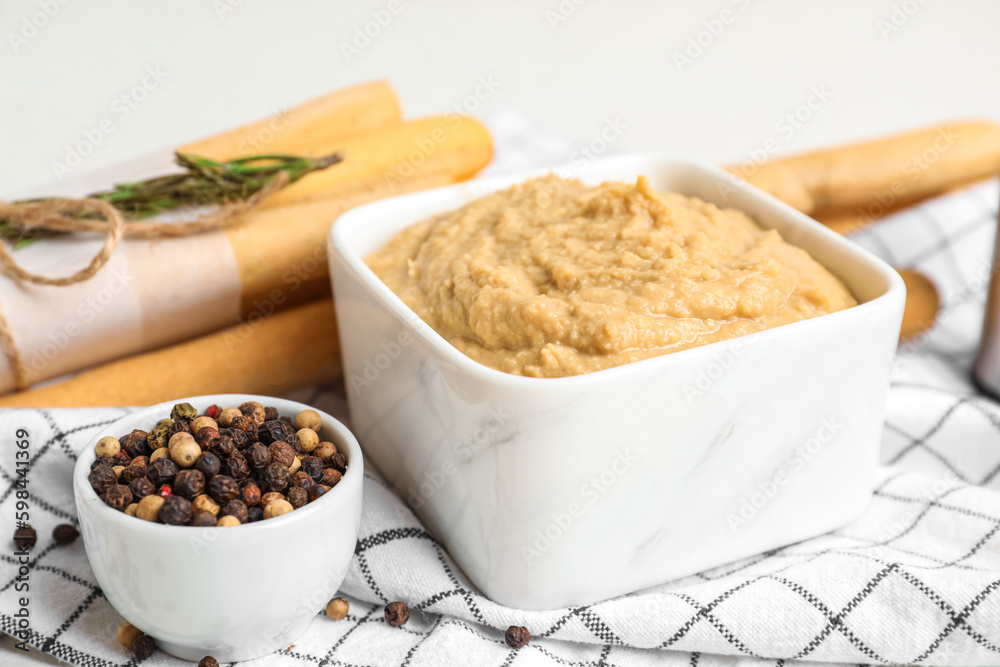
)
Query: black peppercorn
[
  {"x": 135, "y": 443},
  {"x": 25, "y": 538},
  {"x": 132, "y": 472},
  {"x": 141, "y": 487},
  {"x": 176, "y": 511},
  {"x": 339, "y": 462},
  {"x": 189, "y": 483},
  {"x": 301, "y": 479},
  {"x": 101, "y": 478},
  {"x": 282, "y": 452},
  {"x": 237, "y": 466},
  {"x": 235, "y": 508},
  {"x": 177, "y": 427},
  {"x": 64, "y": 534},
  {"x": 203, "y": 518},
  {"x": 208, "y": 464},
  {"x": 162, "y": 471},
  {"x": 222, "y": 488},
  {"x": 316, "y": 491},
  {"x": 223, "y": 446},
  {"x": 313, "y": 466},
  {"x": 102, "y": 461},
  {"x": 331, "y": 477},
  {"x": 297, "y": 496},
  {"x": 396, "y": 614},
  {"x": 275, "y": 430},
  {"x": 517, "y": 636},
  {"x": 118, "y": 496},
  {"x": 208, "y": 661},
  {"x": 276, "y": 477},
  {"x": 205, "y": 435},
  {"x": 258, "y": 455},
  {"x": 254, "y": 410},
  {"x": 270, "y": 414},
  {"x": 143, "y": 647},
  {"x": 249, "y": 493},
  {"x": 244, "y": 423},
  {"x": 241, "y": 439}
]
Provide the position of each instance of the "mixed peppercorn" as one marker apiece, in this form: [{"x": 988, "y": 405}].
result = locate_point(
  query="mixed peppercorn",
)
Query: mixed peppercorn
[{"x": 226, "y": 467}]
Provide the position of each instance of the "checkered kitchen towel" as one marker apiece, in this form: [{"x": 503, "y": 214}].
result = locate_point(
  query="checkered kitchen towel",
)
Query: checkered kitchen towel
[{"x": 915, "y": 580}]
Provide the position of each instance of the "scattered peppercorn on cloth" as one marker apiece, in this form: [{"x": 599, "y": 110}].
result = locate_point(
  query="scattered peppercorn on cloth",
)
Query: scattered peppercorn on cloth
[{"x": 916, "y": 580}]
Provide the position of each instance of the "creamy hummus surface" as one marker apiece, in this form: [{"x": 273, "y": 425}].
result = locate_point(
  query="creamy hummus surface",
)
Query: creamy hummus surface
[{"x": 553, "y": 277}]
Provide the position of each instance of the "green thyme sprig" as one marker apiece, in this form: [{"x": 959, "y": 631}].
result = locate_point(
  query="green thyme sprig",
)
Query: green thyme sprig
[{"x": 203, "y": 182}]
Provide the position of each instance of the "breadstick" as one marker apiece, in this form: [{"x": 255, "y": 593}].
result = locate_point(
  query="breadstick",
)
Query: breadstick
[
  {"x": 314, "y": 128},
  {"x": 871, "y": 177},
  {"x": 457, "y": 146},
  {"x": 287, "y": 351},
  {"x": 281, "y": 252}
]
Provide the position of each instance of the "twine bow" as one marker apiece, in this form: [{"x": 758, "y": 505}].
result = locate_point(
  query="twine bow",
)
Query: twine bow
[{"x": 96, "y": 215}]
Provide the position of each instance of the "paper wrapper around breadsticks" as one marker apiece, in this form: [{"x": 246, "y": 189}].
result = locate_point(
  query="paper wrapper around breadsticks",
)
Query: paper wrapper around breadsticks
[
  {"x": 273, "y": 355},
  {"x": 157, "y": 293}
]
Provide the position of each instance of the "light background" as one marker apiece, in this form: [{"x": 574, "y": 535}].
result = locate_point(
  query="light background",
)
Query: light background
[
  {"x": 885, "y": 65},
  {"x": 230, "y": 61}
]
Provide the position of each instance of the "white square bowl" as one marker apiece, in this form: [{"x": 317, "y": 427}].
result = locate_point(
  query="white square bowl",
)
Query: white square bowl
[{"x": 551, "y": 492}]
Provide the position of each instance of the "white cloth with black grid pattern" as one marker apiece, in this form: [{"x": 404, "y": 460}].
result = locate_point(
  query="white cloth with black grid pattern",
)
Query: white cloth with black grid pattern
[{"x": 915, "y": 580}]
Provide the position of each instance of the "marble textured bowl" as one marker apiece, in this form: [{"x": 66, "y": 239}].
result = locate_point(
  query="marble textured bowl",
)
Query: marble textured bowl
[
  {"x": 233, "y": 593},
  {"x": 564, "y": 491}
]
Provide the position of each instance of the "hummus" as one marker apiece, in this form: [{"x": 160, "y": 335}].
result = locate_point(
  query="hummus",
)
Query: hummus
[{"x": 553, "y": 277}]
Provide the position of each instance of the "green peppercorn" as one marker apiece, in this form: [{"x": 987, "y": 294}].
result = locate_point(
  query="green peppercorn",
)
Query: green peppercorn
[
  {"x": 64, "y": 534},
  {"x": 158, "y": 437},
  {"x": 183, "y": 411}
]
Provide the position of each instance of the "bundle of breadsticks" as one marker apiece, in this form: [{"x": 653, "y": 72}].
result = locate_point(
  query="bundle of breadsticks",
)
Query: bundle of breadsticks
[{"x": 294, "y": 343}]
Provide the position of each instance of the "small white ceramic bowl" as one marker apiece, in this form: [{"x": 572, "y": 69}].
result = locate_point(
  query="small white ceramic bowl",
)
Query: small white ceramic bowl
[
  {"x": 552, "y": 492},
  {"x": 233, "y": 593}
]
